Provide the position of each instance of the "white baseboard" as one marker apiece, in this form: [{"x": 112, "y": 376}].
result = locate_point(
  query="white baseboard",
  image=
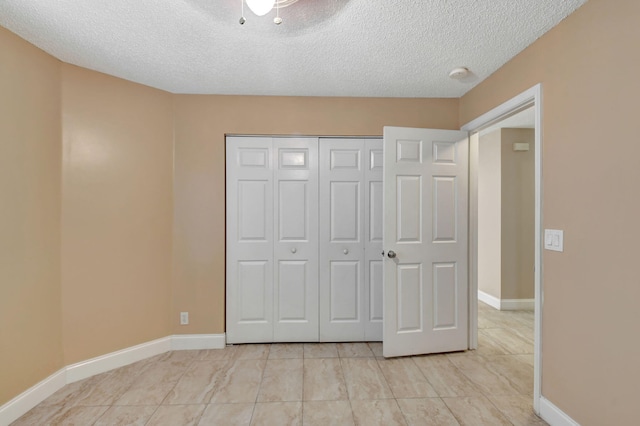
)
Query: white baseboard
[
  {"x": 517, "y": 304},
  {"x": 553, "y": 415},
  {"x": 506, "y": 304},
  {"x": 117, "y": 359},
  {"x": 490, "y": 300},
  {"x": 181, "y": 342},
  {"x": 14, "y": 409},
  {"x": 21, "y": 404}
]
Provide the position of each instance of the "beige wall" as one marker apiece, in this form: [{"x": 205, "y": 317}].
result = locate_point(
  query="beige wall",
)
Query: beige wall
[
  {"x": 116, "y": 213},
  {"x": 30, "y": 318},
  {"x": 489, "y": 214},
  {"x": 200, "y": 125},
  {"x": 517, "y": 215},
  {"x": 588, "y": 66}
]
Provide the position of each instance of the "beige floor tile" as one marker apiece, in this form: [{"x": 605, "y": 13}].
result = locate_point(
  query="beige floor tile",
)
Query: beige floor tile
[
  {"x": 364, "y": 379},
  {"x": 514, "y": 369},
  {"x": 383, "y": 412},
  {"x": 76, "y": 416},
  {"x": 173, "y": 415},
  {"x": 484, "y": 307},
  {"x": 133, "y": 415},
  {"x": 72, "y": 393},
  {"x": 320, "y": 350},
  {"x": 282, "y": 380},
  {"x": 475, "y": 411},
  {"x": 487, "y": 345},
  {"x": 327, "y": 413},
  {"x": 228, "y": 352},
  {"x": 40, "y": 415},
  {"x": 354, "y": 350},
  {"x": 285, "y": 350},
  {"x": 524, "y": 332},
  {"x": 445, "y": 378},
  {"x": 260, "y": 351},
  {"x": 509, "y": 340},
  {"x": 179, "y": 356},
  {"x": 152, "y": 385},
  {"x": 405, "y": 378},
  {"x": 484, "y": 322},
  {"x": 502, "y": 319},
  {"x": 518, "y": 409},
  {"x": 376, "y": 348},
  {"x": 198, "y": 383},
  {"x": 110, "y": 389},
  {"x": 240, "y": 382},
  {"x": 277, "y": 414},
  {"x": 426, "y": 412},
  {"x": 324, "y": 380},
  {"x": 526, "y": 358},
  {"x": 487, "y": 379},
  {"x": 227, "y": 414},
  {"x": 524, "y": 318}
]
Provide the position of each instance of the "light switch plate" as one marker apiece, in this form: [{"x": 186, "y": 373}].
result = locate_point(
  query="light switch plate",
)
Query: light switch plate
[{"x": 554, "y": 239}]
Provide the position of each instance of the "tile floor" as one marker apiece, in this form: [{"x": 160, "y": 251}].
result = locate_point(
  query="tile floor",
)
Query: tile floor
[{"x": 313, "y": 384}]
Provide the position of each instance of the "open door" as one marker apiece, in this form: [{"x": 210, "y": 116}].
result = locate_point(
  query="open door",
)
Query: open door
[{"x": 425, "y": 241}]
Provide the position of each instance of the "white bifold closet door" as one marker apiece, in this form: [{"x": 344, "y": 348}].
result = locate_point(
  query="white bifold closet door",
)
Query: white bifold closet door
[
  {"x": 272, "y": 239},
  {"x": 350, "y": 239}
]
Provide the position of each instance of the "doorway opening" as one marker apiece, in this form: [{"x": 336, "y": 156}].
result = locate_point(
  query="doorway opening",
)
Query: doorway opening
[{"x": 503, "y": 278}]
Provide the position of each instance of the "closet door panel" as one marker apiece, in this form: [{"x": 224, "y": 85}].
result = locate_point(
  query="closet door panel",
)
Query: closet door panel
[
  {"x": 373, "y": 239},
  {"x": 345, "y": 291},
  {"x": 295, "y": 301},
  {"x": 343, "y": 306},
  {"x": 249, "y": 282}
]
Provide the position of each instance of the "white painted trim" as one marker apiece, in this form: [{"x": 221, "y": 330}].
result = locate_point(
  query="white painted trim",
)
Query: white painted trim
[
  {"x": 496, "y": 114},
  {"x": 181, "y": 342},
  {"x": 21, "y": 404},
  {"x": 18, "y": 406},
  {"x": 472, "y": 241},
  {"x": 490, "y": 300},
  {"x": 517, "y": 304},
  {"x": 506, "y": 304},
  {"x": 553, "y": 415},
  {"x": 117, "y": 359},
  {"x": 532, "y": 95}
]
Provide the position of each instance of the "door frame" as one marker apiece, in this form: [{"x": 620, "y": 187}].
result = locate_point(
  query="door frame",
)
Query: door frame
[{"x": 532, "y": 96}]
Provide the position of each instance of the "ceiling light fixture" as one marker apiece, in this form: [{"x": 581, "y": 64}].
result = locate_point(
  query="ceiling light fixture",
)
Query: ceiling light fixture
[
  {"x": 262, "y": 7},
  {"x": 459, "y": 73}
]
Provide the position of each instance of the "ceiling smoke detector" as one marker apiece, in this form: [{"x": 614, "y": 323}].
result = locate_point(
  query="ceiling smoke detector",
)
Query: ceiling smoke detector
[{"x": 459, "y": 73}]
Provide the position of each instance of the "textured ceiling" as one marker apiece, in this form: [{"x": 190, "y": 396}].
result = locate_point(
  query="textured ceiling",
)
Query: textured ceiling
[{"x": 400, "y": 48}]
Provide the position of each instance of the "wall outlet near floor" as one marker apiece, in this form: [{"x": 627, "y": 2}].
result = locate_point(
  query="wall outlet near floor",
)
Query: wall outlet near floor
[{"x": 184, "y": 318}]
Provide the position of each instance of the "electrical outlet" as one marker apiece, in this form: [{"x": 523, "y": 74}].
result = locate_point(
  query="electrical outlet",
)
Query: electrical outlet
[{"x": 184, "y": 318}]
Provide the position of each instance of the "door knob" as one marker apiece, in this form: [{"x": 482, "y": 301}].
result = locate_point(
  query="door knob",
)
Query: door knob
[
  {"x": 391, "y": 254},
  {"x": 346, "y": 251},
  {"x": 293, "y": 250}
]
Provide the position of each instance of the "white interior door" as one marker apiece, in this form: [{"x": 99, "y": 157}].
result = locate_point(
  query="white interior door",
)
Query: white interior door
[
  {"x": 425, "y": 241},
  {"x": 249, "y": 240},
  {"x": 350, "y": 239},
  {"x": 373, "y": 259},
  {"x": 295, "y": 250},
  {"x": 342, "y": 299}
]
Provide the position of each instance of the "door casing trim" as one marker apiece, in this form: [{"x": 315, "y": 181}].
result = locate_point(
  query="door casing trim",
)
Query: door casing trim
[{"x": 532, "y": 96}]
